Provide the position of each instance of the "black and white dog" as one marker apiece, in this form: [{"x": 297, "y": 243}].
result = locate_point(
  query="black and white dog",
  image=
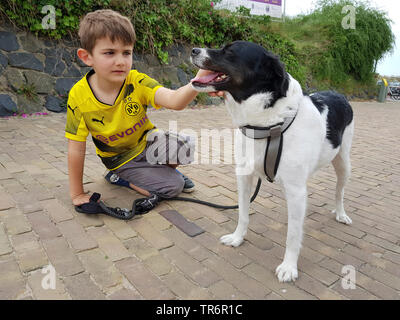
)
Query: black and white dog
[{"x": 260, "y": 93}]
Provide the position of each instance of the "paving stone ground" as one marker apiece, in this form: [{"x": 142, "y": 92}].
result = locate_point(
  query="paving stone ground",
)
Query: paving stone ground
[{"x": 97, "y": 257}]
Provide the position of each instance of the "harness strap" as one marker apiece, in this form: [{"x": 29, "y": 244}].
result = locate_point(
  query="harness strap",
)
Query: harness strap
[
  {"x": 255, "y": 132},
  {"x": 274, "y": 134},
  {"x": 272, "y": 153}
]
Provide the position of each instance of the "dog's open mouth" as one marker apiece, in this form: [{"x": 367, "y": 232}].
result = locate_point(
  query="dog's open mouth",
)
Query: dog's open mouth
[{"x": 210, "y": 79}]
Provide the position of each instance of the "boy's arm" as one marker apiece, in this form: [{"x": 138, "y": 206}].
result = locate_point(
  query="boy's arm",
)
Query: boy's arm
[
  {"x": 76, "y": 160},
  {"x": 175, "y": 99},
  {"x": 180, "y": 98}
]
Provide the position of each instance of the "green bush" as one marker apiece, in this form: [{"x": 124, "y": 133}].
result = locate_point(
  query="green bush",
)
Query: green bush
[
  {"x": 27, "y": 14},
  {"x": 159, "y": 23},
  {"x": 350, "y": 52},
  {"x": 330, "y": 55}
]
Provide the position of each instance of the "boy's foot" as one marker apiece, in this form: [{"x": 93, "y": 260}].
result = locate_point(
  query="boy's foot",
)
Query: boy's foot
[
  {"x": 113, "y": 178},
  {"x": 189, "y": 185}
]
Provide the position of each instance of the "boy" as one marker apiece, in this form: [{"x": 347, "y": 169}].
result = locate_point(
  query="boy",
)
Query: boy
[{"x": 110, "y": 102}]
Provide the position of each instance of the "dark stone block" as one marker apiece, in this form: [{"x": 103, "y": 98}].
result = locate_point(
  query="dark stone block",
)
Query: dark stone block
[
  {"x": 43, "y": 83},
  {"x": 54, "y": 66},
  {"x": 3, "y": 60},
  {"x": 27, "y": 105},
  {"x": 15, "y": 78},
  {"x": 8, "y": 41},
  {"x": 50, "y": 52},
  {"x": 182, "y": 76},
  {"x": 173, "y": 51},
  {"x": 54, "y": 104},
  {"x": 49, "y": 43},
  {"x": 140, "y": 66},
  {"x": 71, "y": 43},
  {"x": 7, "y": 106},
  {"x": 184, "y": 51},
  {"x": 31, "y": 43},
  {"x": 152, "y": 61},
  {"x": 25, "y": 60},
  {"x": 66, "y": 55},
  {"x": 63, "y": 85},
  {"x": 72, "y": 71}
]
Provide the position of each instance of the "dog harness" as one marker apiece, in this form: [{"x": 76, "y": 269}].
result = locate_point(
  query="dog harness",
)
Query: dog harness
[{"x": 274, "y": 134}]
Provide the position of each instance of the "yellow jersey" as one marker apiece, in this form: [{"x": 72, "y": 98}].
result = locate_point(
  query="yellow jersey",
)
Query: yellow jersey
[{"x": 119, "y": 130}]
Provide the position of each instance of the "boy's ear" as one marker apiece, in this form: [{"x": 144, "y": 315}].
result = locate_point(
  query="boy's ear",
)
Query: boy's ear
[{"x": 85, "y": 56}]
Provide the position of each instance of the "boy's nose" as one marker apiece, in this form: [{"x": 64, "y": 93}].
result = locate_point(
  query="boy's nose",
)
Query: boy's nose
[{"x": 120, "y": 60}]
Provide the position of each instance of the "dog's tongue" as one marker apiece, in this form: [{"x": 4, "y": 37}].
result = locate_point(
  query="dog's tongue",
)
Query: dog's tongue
[{"x": 207, "y": 78}]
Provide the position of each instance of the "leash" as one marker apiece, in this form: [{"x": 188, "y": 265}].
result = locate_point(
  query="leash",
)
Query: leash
[
  {"x": 143, "y": 205},
  {"x": 274, "y": 134},
  {"x": 218, "y": 206}
]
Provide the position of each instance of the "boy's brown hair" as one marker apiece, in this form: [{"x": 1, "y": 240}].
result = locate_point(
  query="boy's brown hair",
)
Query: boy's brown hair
[{"x": 105, "y": 23}]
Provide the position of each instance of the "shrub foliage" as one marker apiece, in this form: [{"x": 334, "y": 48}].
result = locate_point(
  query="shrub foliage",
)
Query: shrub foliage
[
  {"x": 159, "y": 23},
  {"x": 349, "y": 52}
]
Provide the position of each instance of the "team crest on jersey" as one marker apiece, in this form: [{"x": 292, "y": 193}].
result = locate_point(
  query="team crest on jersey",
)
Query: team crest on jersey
[{"x": 131, "y": 108}]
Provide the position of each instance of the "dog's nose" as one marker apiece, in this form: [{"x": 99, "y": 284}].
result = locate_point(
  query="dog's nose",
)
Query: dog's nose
[{"x": 195, "y": 51}]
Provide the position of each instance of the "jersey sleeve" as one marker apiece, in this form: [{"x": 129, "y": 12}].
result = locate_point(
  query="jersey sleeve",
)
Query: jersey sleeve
[
  {"x": 75, "y": 128},
  {"x": 148, "y": 86}
]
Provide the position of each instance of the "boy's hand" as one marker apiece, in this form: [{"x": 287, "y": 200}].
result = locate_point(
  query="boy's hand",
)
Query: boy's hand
[
  {"x": 202, "y": 73},
  {"x": 217, "y": 94},
  {"x": 80, "y": 199}
]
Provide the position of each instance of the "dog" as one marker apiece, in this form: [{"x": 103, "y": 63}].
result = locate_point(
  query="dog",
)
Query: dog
[{"x": 260, "y": 93}]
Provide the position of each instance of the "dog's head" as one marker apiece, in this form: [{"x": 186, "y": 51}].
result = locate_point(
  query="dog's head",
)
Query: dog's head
[{"x": 242, "y": 69}]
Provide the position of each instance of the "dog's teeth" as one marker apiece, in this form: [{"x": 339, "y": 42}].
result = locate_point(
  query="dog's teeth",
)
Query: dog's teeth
[{"x": 221, "y": 77}]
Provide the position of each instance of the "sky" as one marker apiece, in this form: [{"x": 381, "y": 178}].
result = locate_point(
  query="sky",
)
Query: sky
[{"x": 389, "y": 65}]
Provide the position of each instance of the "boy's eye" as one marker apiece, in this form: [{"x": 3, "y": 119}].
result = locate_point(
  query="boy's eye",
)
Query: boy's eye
[
  {"x": 127, "y": 53},
  {"x": 108, "y": 52}
]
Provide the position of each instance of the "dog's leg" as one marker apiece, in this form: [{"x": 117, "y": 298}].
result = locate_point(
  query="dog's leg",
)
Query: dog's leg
[
  {"x": 245, "y": 183},
  {"x": 342, "y": 166},
  {"x": 296, "y": 197}
]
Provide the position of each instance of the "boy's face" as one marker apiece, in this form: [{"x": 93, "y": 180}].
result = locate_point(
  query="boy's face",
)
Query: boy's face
[{"x": 111, "y": 61}]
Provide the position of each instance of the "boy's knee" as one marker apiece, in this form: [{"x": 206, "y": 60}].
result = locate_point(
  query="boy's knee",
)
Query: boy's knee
[
  {"x": 171, "y": 186},
  {"x": 175, "y": 187}
]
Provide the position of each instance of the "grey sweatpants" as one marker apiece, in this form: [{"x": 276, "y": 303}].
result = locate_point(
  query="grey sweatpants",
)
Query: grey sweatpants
[{"x": 150, "y": 170}]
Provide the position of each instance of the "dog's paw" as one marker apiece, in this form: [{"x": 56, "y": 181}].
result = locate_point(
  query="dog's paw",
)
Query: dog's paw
[
  {"x": 286, "y": 272},
  {"x": 231, "y": 240},
  {"x": 342, "y": 217}
]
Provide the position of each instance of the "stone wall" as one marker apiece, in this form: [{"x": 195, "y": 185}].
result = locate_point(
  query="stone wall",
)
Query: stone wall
[{"x": 36, "y": 74}]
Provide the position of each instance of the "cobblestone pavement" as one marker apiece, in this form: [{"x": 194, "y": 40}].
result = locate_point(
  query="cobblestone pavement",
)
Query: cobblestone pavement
[{"x": 98, "y": 257}]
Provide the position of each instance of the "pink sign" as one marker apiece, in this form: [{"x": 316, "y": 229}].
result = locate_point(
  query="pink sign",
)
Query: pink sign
[{"x": 275, "y": 2}]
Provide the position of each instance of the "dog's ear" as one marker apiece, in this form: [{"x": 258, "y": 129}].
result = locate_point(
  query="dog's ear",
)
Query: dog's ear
[{"x": 280, "y": 76}]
